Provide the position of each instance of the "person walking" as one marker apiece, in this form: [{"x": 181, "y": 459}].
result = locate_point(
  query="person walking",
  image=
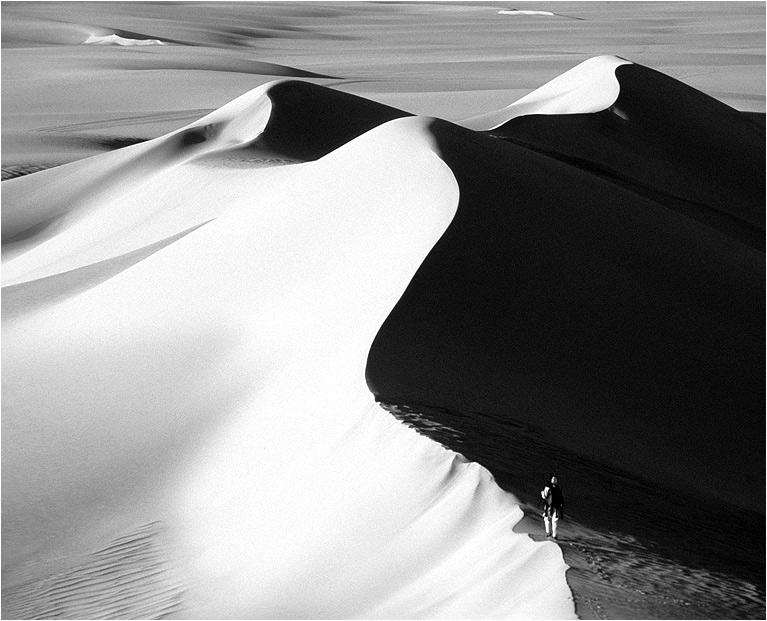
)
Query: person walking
[{"x": 553, "y": 507}]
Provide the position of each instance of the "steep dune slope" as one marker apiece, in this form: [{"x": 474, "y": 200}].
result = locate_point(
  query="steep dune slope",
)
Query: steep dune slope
[
  {"x": 664, "y": 140},
  {"x": 202, "y": 398},
  {"x": 590, "y": 86},
  {"x": 628, "y": 323}
]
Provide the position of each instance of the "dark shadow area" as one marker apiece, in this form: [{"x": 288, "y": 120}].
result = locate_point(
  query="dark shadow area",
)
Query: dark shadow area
[
  {"x": 564, "y": 300},
  {"x": 697, "y": 532},
  {"x": 668, "y": 142},
  {"x": 308, "y": 121}
]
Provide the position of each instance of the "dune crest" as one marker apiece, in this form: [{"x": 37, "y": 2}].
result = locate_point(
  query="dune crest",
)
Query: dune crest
[
  {"x": 533, "y": 13},
  {"x": 523, "y": 12},
  {"x": 115, "y": 39},
  {"x": 44, "y": 215},
  {"x": 46, "y": 212},
  {"x": 631, "y": 257},
  {"x": 590, "y": 86},
  {"x": 279, "y": 486},
  {"x": 668, "y": 142}
]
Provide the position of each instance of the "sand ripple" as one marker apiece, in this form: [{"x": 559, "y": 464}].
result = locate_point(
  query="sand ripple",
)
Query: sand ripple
[{"x": 128, "y": 579}]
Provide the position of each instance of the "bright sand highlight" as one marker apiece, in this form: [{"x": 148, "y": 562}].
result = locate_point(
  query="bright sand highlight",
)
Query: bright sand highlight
[{"x": 206, "y": 353}]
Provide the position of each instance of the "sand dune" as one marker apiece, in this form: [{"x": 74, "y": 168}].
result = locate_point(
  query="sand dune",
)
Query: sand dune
[
  {"x": 285, "y": 120},
  {"x": 275, "y": 410},
  {"x": 606, "y": 288},
  {"x": 664, "y": 140},
  {"x": 115, "y": 39},
  {"x": 206, "y": 25},
  {"x": 588, "y": 87},
  {"x": 196, "y": 327}
]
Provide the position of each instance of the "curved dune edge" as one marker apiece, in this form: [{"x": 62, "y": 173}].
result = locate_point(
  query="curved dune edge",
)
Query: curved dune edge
[
  {"x": 590, "y": 86},
  {"x": 74, "y": 189},
  {"x": 281, "y": 488},
  {"x": 19, "y": 300},
  {"x": 287, "y": 119},
  {"x": 612, "y": 295},
  {"x": 667, "y": 141}
]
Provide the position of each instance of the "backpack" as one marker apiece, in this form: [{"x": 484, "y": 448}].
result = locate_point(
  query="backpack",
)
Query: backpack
[{"x": 547, "y": 496}]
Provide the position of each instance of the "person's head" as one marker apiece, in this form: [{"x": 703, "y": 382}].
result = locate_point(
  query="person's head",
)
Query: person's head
[{"x": 553, "y": 480}]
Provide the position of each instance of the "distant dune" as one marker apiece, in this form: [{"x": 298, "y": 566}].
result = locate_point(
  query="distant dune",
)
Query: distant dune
[{"x": 115, "y": 39}]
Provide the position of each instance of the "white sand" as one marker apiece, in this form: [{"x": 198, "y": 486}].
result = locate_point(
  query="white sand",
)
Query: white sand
[
  {"x": 115, "y": 39},
  {"x": 591, "y": 86},
  {"x": 217, "y": 386}
]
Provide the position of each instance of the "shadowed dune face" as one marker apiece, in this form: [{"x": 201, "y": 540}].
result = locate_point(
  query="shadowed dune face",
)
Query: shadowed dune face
[
  {"x": 309, "y": 121},
  {"x": 669, "y": 142},
  {"x": 627, "y": 330}
]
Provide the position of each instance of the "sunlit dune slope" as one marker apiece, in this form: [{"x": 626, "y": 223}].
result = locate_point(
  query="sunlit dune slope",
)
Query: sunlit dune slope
[
  {"x": 184, "y": 376},
  {"x": 290, "y": 120},
  {"x": 590, "y": 86}
]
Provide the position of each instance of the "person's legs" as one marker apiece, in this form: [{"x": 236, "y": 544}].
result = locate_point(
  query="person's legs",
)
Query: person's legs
[
  {"x": 547, "y": 523},
  {"x": 554, "y": 520}
]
